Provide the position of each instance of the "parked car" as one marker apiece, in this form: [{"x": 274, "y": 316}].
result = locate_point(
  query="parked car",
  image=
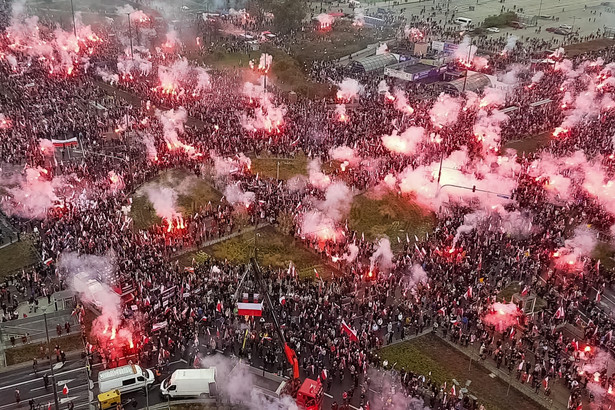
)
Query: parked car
[
  {"x": 493, "y": 30},
  {"x": 551, "y": 29},
  {"x": 562, "y": 31},
  {"x": 516, "y": 24}
]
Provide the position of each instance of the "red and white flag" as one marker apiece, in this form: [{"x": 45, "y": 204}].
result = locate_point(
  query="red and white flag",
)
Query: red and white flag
[
  {"x": 349, "y": 331},
  {"x": 48, "y": 261},
  {"x": 468, "y": 294},
  {"x": 453, "y": 391},
  {"x": 219, "y": 306},
  {"x": 559, "y": 313},
  {"x": 250, "y": 306},
  {"x": 282, "y": 300},
  {"x": 65, "y": 390},
  {"x": 598, "y": 297},
  {"x": 525, "y": 291}
]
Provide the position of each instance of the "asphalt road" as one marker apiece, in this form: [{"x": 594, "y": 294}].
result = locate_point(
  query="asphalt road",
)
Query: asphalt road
[{"x": 30, "y": 385}]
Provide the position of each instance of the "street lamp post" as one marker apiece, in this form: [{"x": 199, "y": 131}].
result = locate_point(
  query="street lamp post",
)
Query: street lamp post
[
  {"x": 72, "y": 9},
  {"x": 53, "y": 377},
  {"x": 465, "y": 79},
  {"x": 130, "y": 36}
]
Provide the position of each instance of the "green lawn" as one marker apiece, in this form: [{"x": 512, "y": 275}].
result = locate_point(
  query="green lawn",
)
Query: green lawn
[
  {"x": 430, "y": 354},
  {"x": 25, "y": 353},
  {"x": 16, "y": 256},
  {"x": 390, "y": 215},
  {"x": 605, "y": 252},
  {"x": 193, "y": 192},
  {"x": 529, "y": 144},
  {"x": 274, "y": 249},
  {"x": 267, "y": 166}
]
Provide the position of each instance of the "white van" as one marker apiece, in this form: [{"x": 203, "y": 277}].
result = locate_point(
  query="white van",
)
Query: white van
[
  {"x": 126, "y": 379},
  {"x": 463, "y": 21},
  {"x": 190, "y": 383}
]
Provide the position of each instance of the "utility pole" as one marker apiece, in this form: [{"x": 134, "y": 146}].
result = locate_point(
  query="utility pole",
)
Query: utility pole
[
  {"x": 53, "y": 378},
  {"x": 540, "y": 9},
  {"x": 72, "y": 9},
  {"x": 465, "y": 80},
  {"x": 130, "y": 35}
]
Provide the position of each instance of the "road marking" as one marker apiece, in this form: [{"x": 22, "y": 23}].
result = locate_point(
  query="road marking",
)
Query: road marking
[
  {"x": 63, "y": 382},
  {"x": 67, "y": 399}
]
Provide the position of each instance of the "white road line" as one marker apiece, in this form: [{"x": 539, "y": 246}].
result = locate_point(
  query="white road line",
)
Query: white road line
[{"x": 41, "y": 375}]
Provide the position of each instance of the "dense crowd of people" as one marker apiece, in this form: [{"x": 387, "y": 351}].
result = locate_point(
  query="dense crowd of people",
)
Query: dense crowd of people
[{"x": 442, "y": 281}]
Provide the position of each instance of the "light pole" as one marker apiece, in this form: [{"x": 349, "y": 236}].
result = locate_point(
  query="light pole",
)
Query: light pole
[
  {"x": 72, "y": 9},
  {"x": 53, "y": 377},
  {"x": 465, "y": 79},
  {"x": 130, "y": 36},
  {"x": 540, "y": 9}
]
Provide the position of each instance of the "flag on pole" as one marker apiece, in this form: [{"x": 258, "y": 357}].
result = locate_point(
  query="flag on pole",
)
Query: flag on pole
[
  {"x": 559, "y": 313},
  {"x": 525, "y": 291},
  {"x": 250, "y": 306},
  {"x": 468, "y": 294},
  {"x": 65, "y": 390},
  {"x": 349, "y": 331},
  {"x": 598, "y": 297},
  {"x": 48, "y": 261}
]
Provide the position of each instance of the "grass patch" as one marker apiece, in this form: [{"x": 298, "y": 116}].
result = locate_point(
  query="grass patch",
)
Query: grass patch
[
  {"x": 605, "y": 252},
  {"x": 274, "y": 249},
  {"x": 25, "y": 353},
  {"x": 507, "y": 293},
  {"x": 17, "y": 256},
  {"x": 267, "y": 166},
  {"x": 529, "y": 144},
  {"x": 390, "y": 215},
  {"x": 193, "y": 193},
  {"x": 430, "y": 354}
]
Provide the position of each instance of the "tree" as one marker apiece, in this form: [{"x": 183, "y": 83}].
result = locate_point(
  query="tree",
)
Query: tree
[{"x": 288, "y": 15}]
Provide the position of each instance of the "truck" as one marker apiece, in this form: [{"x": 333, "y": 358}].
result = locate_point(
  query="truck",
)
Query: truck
[
  {"x": 126, "y": 379},
  {"x": 187, "y": 383},
  {"x": 308, "y": 394}
]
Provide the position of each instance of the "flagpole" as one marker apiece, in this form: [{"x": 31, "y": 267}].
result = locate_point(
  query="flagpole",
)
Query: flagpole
[{"x": 53, "y": 377}]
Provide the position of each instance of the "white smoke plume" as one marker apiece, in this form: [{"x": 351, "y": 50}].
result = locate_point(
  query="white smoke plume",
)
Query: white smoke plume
[
  {"x": 382, "y": 256},
  {"x": 345, "y": 153},
  {"x": 445, "y": 111},
  {"x": 405, "y": 143},
  {"x": 325, "y": 20},
  {"x": 224, "y": 167},
  {"x": 511, "y": 42},
  {"x": 401, "y": 102},
  {"x": 537, "y": 77},
  {"x": 487, "y": 128},
  {"x": 315, "y": 176},
  {"x": 349, "y": 89},
  {"x": 235, "y": 195},
  {"x": 572, "y": 255},
  {"x": 107, "y": 76},
  {"x": 359, "y": 17},
  {"x": 466, "y": 51},
  {"x": 321, "y": 222},
  {"x": 351, "y": 255},
  {"x": 150, "y": 147},
  {"x": 237, "y": 383},
  {"x": 415, "y": 276},
  {"x": 46, "y": 147},
  {"x": 383, "y": 48},
  {"x": 164, "y": 200},
  {"x": 84, "y": 274},
  {"x": 172, "y": 124},
  {"x": 32, "y": 193}
]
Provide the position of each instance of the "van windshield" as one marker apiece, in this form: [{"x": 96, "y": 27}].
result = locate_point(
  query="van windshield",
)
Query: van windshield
[{"x": 145, "y": 373}]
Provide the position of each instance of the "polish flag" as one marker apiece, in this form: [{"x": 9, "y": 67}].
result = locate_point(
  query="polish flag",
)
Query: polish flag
[
  {"x": 559, "y": 313},
  {"x": 468, "y": 294},
  {"x": 250, "y": 306},
  {"x": 349, "y": 331},
  {"x": 525, "y": 291},
  {"x": 48, "y": 261},
  {"x": 65, "y": 390},
  {"x": 598, "y": 297},
  {"x": 282, "y": 300}
]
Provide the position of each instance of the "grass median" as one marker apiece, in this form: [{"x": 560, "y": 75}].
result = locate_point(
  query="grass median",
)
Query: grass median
[
  {"x": 429, "y": 353},
  {"x": 25, "y": 353}
]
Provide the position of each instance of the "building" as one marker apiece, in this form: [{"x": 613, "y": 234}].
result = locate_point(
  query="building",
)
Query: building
[
  {"x": 373, "y": 63},
  {"x": 415, "y": 70}
]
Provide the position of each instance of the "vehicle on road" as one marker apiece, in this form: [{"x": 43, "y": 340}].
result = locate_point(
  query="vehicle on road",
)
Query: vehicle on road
[
  {"x": 516, "y": 24},
  {"x": 186, "y": 383},
  {"x": 565, "y": 27},
  {"x": 493, "y": 30},
  {"x": 562, "y": 31},
  {"x": 126, "y": 379},
  {"x": 551, "y": 29},
  {"x": 110, "y": 399},
  {"x": 463, "y": 21}
]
